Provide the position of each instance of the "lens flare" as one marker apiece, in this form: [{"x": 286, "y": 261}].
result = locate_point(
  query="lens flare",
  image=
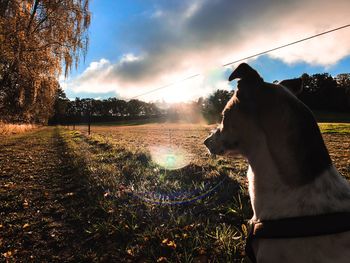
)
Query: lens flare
[
  {"x": 180, "y": 198},
  {"x": 170, "y": 157}
]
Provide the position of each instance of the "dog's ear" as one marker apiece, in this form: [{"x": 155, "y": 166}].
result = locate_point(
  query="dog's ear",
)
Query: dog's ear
[
  {"x": 245, "y": 72},
  {"x": 294, "y": 85}
]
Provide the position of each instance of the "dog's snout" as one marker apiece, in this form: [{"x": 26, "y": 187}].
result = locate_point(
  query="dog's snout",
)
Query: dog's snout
[
  {"x": 211, "y": 138},
  {"x": 207, "y": 141}
]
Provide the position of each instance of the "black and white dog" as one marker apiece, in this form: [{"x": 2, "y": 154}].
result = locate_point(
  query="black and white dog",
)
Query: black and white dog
[{"x": 301, "y": 203}]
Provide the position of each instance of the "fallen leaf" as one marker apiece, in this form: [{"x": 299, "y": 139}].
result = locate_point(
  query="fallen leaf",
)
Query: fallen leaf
[
  {"x": 7, "y": 254},
  {"x": 9, "y": 185},
  {"x": 26, "y": 225},
  {"x": 171, "y": 244},
  {"x": 189, "y": 227},
  {"x": 161, "y": 259},
  {"x": 202, "y": 251},
  {"x": 25, "y": 203}
]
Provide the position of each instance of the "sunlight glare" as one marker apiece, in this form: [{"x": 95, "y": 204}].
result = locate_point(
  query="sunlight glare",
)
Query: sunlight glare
[{"x": 169, "y": 157}]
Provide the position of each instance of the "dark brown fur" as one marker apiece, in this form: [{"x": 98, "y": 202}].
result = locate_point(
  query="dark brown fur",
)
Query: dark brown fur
[{"x": 306, "y": 146}]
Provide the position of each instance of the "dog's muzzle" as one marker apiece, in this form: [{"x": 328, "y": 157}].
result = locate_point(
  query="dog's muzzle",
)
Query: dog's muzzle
[{"x": 214, "y": 144}]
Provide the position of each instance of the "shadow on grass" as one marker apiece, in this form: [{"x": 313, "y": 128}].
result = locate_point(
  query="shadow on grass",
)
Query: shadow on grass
[{"x": 156, "y": 214}]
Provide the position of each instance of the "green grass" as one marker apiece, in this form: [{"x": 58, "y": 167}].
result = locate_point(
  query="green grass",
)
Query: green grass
[{"x": 335, "y": 128}]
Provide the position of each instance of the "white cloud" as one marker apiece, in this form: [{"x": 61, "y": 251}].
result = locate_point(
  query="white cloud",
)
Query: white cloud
[
  {"x": 189, "y": 37},
  {"x": 94, "y": 79}
]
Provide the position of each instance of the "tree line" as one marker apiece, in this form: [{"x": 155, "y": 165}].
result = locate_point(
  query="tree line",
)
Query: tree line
[
  {"x": 112, "y": 109},
  {"x": 42, "y": 39},
  {"x": 325, "y": 93},
  {"x": 39, "y": 39},
  {"x": 321, "y": 92}
]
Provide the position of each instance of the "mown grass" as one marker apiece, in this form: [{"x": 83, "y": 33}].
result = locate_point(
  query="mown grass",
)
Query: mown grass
[{"x": 194, "y": 214}]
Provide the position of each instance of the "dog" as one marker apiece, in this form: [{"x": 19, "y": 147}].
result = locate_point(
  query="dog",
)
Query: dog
[{"x": 300, "y": 202}]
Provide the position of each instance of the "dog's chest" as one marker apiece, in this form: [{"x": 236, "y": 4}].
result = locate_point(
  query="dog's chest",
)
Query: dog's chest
[
  {"x": 273, "y": 200},
  {"x": 270, "y": 200}
]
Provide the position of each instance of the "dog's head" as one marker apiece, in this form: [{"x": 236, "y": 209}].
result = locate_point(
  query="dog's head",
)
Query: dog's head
[
  {"x": 269, "y": 114},
  {"x": 239, "y": 129}
]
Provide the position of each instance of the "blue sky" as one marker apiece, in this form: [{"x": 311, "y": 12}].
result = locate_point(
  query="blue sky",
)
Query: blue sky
[{"x": 139, "y": 45}]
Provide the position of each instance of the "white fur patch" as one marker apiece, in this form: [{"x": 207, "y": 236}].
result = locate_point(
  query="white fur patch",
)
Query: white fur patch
[{"x": 272, "y": 199}]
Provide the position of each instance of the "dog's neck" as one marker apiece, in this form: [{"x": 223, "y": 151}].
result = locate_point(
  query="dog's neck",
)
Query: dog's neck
[{"x": 272, "y": 198}]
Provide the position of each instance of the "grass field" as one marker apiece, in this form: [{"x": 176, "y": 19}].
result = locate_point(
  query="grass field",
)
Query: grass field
[{"x": 145, "y": 193}]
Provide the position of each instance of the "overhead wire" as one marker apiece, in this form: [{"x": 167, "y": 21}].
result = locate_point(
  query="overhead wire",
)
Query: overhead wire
[{"x": 245, "y": 58}]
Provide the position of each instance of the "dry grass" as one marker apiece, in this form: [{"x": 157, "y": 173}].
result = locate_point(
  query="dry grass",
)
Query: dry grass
[
  {"x": 188, "y": 137},
  {"x": 10, "y": 129}
]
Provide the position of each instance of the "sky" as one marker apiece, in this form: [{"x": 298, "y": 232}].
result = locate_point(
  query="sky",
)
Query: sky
[{"x": 140, "y": 45}]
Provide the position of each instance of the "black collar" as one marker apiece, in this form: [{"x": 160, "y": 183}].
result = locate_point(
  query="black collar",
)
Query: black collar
[{"x": 296, "y": 227}]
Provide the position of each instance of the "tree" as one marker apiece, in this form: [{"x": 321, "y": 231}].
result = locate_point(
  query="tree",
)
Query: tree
[
  {"x": 37, "y": 37},
  {"x": 323, "y": 92},
  {"x": 135, "y": 108},
  {"x": 60, "y": 108},
  {"x": 214, "y": 105},
  {"x": 119, "y": 107},
  {"x": 343, "y": 81}
]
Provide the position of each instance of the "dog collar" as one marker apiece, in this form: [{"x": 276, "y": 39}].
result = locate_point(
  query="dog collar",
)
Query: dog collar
[{"x": 296, "y": 227}]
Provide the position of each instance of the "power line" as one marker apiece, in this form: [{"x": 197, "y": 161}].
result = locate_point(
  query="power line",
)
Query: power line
[
  {"x": 287, "y": 45},
  {"x": 245, "y": 58}
]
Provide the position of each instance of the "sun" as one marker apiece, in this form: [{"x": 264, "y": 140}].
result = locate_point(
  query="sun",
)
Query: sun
[
  {"x": 176, "y": 95},
  {"x": 183, "y": 91}
]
